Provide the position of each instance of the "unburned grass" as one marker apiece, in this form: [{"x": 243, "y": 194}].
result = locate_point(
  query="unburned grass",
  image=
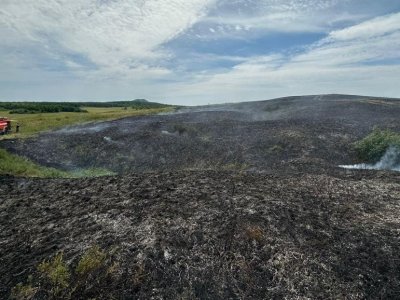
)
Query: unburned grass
[
  {"x": 55, "y": 278},
  {"x": 90, "y": 261},
  {"x": 56, "y": 271},
  {"x": 11, "y": 164},
  {"x": 31, "y": 124},
  {"x": 24, "y": 291},
  {"x": 371, "y": 148}
]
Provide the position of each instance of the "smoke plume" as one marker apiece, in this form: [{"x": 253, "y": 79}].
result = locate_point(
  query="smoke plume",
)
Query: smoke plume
[{"x": 389, "y": 161}]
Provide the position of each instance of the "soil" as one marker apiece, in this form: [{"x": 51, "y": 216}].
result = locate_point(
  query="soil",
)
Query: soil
[{"x": 211, "y": 204}]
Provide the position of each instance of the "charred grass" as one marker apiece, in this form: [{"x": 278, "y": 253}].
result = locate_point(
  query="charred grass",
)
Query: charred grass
[
  {"x": 203, "y": 234},
  {"x": 241, "y": 205}
]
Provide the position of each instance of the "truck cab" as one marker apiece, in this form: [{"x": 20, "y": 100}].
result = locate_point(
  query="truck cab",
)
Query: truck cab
[{"x": 5, "y": 125}]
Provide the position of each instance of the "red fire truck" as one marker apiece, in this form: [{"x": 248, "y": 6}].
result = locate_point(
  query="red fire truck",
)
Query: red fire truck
[{"x": 5, "y": 125}]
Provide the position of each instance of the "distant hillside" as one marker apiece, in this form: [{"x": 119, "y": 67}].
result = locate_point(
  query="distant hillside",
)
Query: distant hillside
[{"x": 137, "y": 103}]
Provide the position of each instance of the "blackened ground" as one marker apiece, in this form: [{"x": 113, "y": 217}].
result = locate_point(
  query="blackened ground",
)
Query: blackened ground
[
  {"x": 212, "y": 234},
  {"x": 265, "y": 214},
  {"x": 307, "y": 134}
]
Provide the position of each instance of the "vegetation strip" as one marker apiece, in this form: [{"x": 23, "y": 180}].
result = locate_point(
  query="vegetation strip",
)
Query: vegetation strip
[
  {"x": 371, "y": 148},
  {"x": 53, "y": 107},
  {"x": 15, "y": 165}
]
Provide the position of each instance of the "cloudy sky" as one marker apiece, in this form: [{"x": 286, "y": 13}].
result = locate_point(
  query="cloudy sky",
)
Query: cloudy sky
[{"x": 197, "y": 51}]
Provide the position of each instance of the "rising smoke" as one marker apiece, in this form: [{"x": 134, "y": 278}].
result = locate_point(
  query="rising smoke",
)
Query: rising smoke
[{"x": 389, "y": 161}]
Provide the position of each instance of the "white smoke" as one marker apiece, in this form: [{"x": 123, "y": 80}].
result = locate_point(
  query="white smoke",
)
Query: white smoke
[
  {"x": 111, "y": 141},
  {"x": 167, "y": 132},
  {"x": 90, "y": 127},
  {"x": 389, "y": 161}
]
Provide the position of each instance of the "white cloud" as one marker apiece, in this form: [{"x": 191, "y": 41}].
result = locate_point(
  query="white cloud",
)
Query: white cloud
[
  {"x": 118, "y": 49},
  {"x": 376, "y": 27},
  {"x": 282, "y": 15},
  {"x": 333, "y": 65},
  {"x": 374, "y": 40},
  {"x": 111, "y": 34}
]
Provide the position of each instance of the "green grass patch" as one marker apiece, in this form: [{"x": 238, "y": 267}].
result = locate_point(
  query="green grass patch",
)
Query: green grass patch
[
  {"x": 56, "y": 271},
  {"x": 55, "y": 278},
  {"x": 92, "y": 260},
  {"x": 11, "y": 164},
  {"x": 371, "y": 148}
]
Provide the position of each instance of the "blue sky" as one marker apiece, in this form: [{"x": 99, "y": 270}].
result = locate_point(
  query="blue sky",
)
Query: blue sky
[{"x": 197, "y": 51}]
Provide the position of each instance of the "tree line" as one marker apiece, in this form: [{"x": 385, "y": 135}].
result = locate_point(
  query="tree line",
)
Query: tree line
[{"x": 52, "y": 107}]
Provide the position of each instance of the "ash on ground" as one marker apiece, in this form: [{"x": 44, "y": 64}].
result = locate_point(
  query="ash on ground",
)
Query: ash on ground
[{"x": 245, "y": 202}]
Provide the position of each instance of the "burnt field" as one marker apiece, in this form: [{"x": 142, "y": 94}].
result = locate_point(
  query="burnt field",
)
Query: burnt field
[
  {"x": 284, "y": 135},
  {"x": 210, "y": 234},
  {"x": 241, "y": 201}
]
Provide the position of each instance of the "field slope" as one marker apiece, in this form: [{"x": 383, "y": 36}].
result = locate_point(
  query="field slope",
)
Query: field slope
[
  {"x": 33, "y": 123},
  {"x": 293, "y": 134},
  {"x": 234, "y": 201}
]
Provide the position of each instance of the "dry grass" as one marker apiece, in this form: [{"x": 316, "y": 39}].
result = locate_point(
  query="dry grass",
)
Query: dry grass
[
  {"x": 255, "y": 233},
  {"x": 92, "y": 260},
  {"x": 381, "y": 102}
]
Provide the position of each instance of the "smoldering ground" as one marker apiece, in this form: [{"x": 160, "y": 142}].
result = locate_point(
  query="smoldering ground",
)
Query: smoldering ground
[
  {"x": 286, "y": 135},
  {"x": 389, "y": 161}
]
